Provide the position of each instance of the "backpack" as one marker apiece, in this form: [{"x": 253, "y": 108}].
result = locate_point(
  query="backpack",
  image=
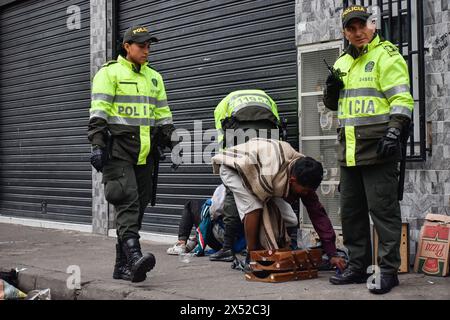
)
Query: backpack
[{"x": 206, "y": 235}]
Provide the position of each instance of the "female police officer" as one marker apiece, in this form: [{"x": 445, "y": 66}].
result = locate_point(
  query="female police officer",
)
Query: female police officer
[{"x": 128, "y": 103}]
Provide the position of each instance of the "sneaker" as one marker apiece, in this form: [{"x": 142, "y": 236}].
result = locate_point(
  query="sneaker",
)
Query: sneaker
[{"x": 176, "y": 249}]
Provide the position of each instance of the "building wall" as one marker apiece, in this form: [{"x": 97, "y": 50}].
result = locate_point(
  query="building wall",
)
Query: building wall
[
  {"x": 101, "y": 44},
  {"x": 427, "y": 184},
  {"x": 427, "y": 187}
]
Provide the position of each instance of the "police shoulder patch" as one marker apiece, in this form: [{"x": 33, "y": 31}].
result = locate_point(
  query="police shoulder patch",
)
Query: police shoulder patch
[
  {"x": 155, "y": 82},
  {"x": 391, "y": 49},
  {"x": 110, "y": 62}
]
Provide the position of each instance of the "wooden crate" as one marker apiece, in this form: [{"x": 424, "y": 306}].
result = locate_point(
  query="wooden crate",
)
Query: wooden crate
[{"x": 404, "y": 248}]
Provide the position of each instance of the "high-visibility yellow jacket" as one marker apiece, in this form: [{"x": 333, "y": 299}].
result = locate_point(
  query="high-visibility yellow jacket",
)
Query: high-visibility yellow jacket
[
  {"x": 130, "y": 102},
  {"x": 246, "y": 106},
  {"x": 376, "y": 96}
]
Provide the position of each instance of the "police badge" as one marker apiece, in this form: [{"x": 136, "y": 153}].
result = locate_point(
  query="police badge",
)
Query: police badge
[{"x": 369, "y": 66}]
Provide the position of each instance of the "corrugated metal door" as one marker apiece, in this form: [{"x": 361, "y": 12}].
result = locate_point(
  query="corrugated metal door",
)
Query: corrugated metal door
[
  {"x": 208, "y": 49},
  {"x": 44, "y": 103}
]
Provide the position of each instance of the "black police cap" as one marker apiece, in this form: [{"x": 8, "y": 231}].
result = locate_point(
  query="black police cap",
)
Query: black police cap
[
  {"x": 138, "y": 34},
  {"x": 354, "y": 12}
]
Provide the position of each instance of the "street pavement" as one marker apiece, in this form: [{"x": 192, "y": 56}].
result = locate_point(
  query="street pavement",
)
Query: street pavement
[{"x": 52, "y": 256}]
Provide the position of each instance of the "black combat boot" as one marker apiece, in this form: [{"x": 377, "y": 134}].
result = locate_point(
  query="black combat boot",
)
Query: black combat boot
[
  {"x": 139, "y": 264},
  {"x": 121, "y": 270},
  {"x": 349, "y": 276},
  {"x": 226, "y": 254},
  {"x": 384, "y": 283}
]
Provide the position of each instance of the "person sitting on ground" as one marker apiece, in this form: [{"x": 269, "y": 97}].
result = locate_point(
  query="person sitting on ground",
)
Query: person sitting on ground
[
  {"x": 189, "y": 218},
  {"x": 207, "y": 217},
  {"x": 264, "y": 169}
]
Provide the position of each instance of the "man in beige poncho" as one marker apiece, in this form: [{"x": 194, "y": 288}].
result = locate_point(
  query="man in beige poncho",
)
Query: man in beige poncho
[{"x": 262, "y": 170}]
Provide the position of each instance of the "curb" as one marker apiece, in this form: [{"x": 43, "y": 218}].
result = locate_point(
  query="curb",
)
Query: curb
[
  {"x": 94, "y": 289},
  {"x": 37, "y": 279}
]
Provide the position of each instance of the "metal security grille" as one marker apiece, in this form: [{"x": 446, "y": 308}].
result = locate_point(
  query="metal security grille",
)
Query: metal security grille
[
  {"x": 401, "y": 22},
  {"x": 208, "y": 49},
  {"x": 318, "y": 124},
  {"x": 44, "y": 103}
]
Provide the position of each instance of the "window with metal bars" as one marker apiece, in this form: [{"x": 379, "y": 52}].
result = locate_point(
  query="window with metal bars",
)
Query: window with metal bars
[
  {"x": 318, "y": 124},
  {"x": 401, "y": 22}
]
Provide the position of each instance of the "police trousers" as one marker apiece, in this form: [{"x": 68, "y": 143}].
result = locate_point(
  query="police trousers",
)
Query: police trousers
[
  {"x": 128, "y": 188},
  {"x": 365, "y": 190}
]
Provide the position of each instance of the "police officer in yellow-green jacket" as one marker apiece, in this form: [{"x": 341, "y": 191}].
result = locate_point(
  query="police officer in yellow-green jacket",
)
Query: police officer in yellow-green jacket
[
  {"x": 369, "y": 88},
  {"x": 241, "y": 115},
  {"x": 245, "y": 109},
  {"x": 129, "y": 115}
]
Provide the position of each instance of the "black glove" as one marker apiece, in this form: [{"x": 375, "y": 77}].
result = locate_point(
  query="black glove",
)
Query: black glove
[
  {"x": 389, "y": 144},
  {"x": 160, "y": 153},
  {"x": 333, "y": 85},
  {"x": 174, "y": 143},
  {"x": 98, "y": 158},
  {"x": 164, "y": 136},
  {"x": 333, "y": 82}
]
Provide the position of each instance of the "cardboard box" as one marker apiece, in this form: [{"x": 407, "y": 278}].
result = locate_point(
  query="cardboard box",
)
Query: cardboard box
[
  {"x": 404, "y": 248},
  {"x": 433, "y": 247}
]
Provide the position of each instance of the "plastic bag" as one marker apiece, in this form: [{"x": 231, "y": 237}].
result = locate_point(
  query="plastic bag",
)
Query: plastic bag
[
  {"x": 186, "y": 257},
  {"x": 39, "y": 295},
  {"x": 218, "y": 200},
  {"x": 9, "y": 292}
]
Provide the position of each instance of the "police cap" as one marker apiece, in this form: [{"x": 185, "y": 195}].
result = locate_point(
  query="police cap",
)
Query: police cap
[
  {"x": 138, "y": 34},
  {"x": 354, "y": 12}
]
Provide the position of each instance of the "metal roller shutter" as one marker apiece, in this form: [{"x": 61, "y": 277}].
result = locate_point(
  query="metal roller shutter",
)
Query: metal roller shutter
[
  {"x": 44, "y": 103},
  {"x": 208, "y": 49}
]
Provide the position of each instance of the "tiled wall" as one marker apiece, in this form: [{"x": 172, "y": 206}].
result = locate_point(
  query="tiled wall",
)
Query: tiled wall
[{"x": 427, "y": 188}]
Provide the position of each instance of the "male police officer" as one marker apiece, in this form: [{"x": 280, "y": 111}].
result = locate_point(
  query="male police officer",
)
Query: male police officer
[
  {"x": 241, "y": 114},
  {"x": 128, "y": 103},
  {"x": 370, "y": 91}
]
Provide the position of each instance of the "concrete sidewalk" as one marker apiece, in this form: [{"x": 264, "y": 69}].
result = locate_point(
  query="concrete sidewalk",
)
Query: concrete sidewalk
[{"x": 47, "y": 254}]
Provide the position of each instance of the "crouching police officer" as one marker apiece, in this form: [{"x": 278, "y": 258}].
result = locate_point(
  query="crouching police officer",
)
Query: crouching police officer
[
  {"x": 129, "y": 105},
  {"x": 241, "y": 115}
]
